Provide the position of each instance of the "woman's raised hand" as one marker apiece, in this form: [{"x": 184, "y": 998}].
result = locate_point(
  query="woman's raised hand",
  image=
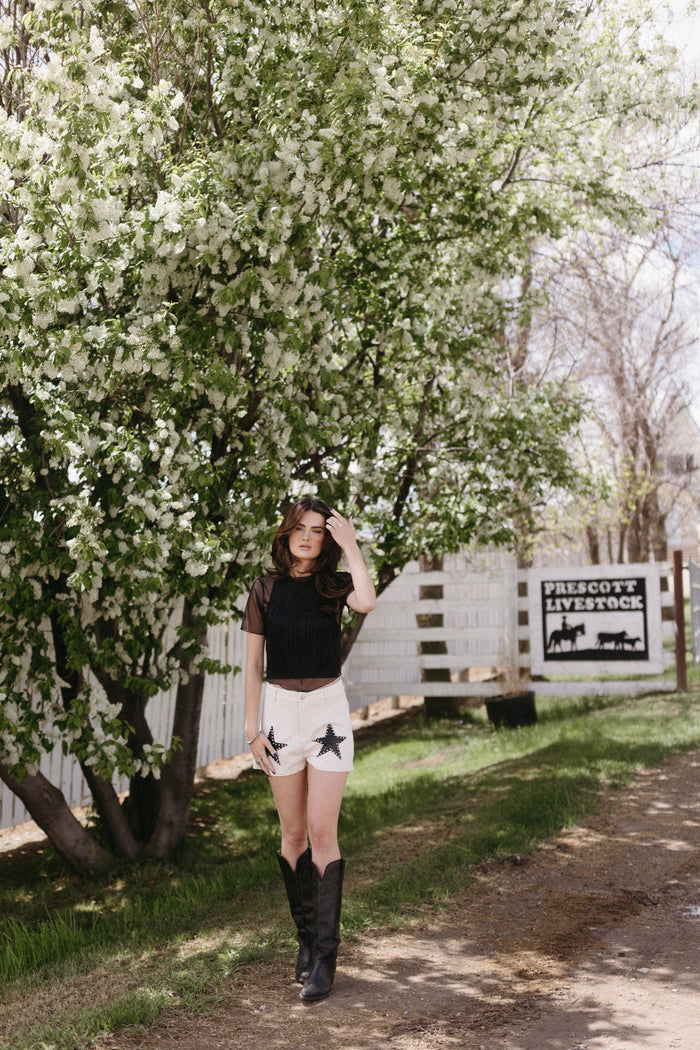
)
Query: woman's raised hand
[{"x": 342, "y": 530}]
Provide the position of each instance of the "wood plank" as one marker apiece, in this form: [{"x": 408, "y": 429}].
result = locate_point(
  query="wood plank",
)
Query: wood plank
[
  {"x": 604, "y": 688},
  {"x": 385, "y": 635},
  {"x": 381, "y": 690},
  {"x": 446, "y": 577},
  {"x": 436, "y": 605},
  {"x": 422, "y": 660}
]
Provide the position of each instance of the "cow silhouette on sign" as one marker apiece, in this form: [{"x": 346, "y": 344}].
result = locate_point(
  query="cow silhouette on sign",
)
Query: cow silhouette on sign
[{"x": 617, "y": 639}]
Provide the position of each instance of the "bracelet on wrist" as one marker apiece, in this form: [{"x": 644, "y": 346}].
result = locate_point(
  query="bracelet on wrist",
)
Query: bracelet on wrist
[{"x": 249, "y": 742}]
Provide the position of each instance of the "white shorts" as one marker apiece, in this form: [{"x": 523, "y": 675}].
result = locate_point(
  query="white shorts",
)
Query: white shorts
[{"x": 311, "y": 728}]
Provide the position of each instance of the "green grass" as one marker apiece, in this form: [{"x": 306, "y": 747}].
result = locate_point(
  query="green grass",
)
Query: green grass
[{"x": 427, "y": 803}]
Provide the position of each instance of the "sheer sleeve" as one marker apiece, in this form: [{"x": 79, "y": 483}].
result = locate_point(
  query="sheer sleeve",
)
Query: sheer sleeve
[{"x": 254, "y": 615}]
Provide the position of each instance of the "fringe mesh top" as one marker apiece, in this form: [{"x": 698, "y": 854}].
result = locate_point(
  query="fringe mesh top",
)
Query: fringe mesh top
[{"x": 302, "y": 635}]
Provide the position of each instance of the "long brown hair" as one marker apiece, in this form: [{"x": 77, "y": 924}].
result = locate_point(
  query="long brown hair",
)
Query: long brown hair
[{"x": 325, "y": 568}]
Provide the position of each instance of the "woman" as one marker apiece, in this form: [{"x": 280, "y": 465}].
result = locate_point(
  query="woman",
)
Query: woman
[{"x": 300, "y": 736}]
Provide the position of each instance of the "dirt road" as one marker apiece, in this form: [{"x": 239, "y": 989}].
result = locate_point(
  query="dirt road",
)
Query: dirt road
[{"x": 592, "y": 944}]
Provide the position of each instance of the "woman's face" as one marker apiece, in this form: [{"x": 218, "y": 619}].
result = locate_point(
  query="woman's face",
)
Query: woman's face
[{"x": 306, "y": 539}]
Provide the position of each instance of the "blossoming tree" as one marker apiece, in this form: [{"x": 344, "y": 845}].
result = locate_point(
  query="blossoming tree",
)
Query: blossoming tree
[{"x": 247, "y": 249}]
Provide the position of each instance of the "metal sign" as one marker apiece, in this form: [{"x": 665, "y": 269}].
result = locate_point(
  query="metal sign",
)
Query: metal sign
[{"x": 595, "y": 619}]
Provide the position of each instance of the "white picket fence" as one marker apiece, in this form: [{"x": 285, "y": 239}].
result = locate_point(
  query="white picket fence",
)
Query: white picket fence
[
  {"x": 484, "y": 605},
  {"x": 694, "y": 574}
]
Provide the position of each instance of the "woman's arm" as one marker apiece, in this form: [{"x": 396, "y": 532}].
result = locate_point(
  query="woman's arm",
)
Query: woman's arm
[
  {"x": 362, "y": 597},
  {"x": 259, "y": 744}
]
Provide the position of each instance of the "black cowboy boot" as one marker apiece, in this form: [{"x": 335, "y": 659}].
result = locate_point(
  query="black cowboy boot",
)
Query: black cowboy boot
[
  {"x": 298, "y": 884},
  {"x": 328, "y": 893}
]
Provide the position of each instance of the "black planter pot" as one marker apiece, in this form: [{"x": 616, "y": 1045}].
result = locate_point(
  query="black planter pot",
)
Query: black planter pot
[{"x": 512, "y": 711}]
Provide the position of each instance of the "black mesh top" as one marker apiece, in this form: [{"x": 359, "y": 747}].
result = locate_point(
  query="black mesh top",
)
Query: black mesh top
[{"x": 302, "y": 641}]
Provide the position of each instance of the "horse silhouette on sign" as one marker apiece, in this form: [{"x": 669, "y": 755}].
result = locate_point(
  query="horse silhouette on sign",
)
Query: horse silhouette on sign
[{"x": 566, "y": 634}]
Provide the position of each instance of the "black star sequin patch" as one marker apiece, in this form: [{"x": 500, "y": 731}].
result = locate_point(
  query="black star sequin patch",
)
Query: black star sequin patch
[
  {"x": 329, "y": 742},
  {"x": 275, "y": 744}
]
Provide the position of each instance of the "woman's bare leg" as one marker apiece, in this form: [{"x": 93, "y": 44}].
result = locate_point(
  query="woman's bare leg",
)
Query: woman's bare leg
[
  {"x": 290, "y": 795},
  {"x": 324, "y": 797}
]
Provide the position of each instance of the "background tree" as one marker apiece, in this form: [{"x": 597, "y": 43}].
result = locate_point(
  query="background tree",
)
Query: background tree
[
  {"x": 619, "y": 319},
  {"x": 639, "y": 347},
  {"x": 246, "y": 251}
]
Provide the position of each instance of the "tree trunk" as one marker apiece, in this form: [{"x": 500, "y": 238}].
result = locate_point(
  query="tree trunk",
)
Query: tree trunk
[
  {"x": 112, "y": 814},
  {"x": 143, "y": 802},
  {"x": 660, "y": 539},
  {"x": 52, "y": 813},
  {"x": 635, "y": 537},
  {"x": 656, "y": 527},
  {"x": 593, "y": 542},
  {"x": 349, "y": 635},
  {"x": 177, "y": 777},
  {"x": 621, "y": 537},
  {"x": 153, "y": 819},
  {"x": 435, "y": 706}
]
